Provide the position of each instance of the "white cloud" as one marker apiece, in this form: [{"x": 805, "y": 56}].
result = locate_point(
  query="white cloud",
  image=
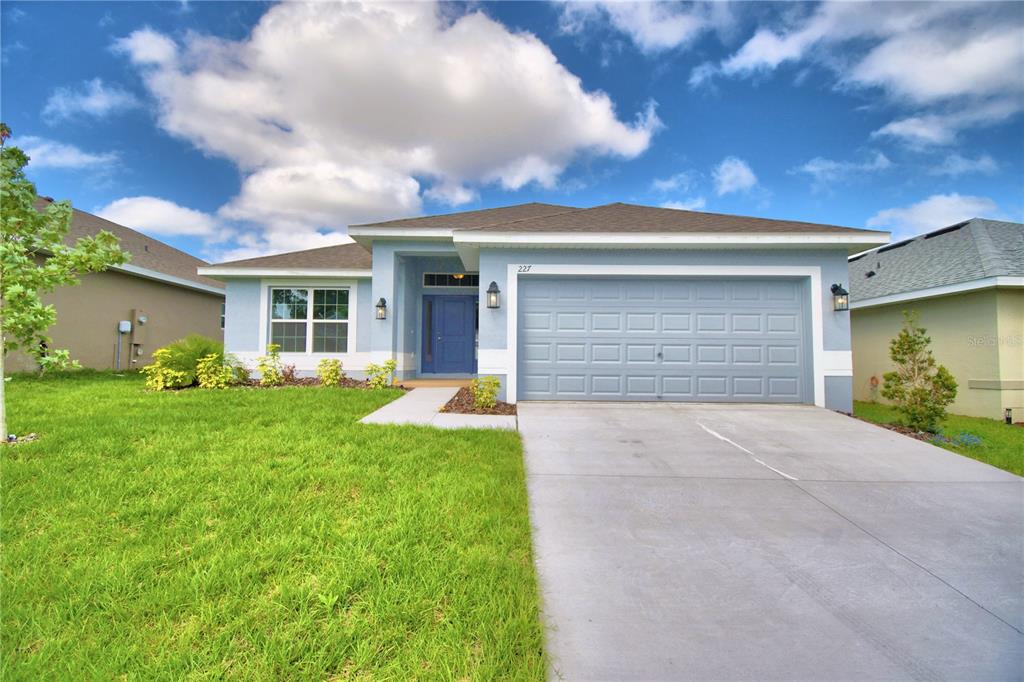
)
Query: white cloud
[
  {"x": 652, "y": 26},
  {"x": 702, "y": 75},
  {"x": 681, "y": 182},
  {"x": 733, "y": 175},
  {"x": 827, "y": 171},
  {"x": 937, "y": 211},
  {"x": 45, "y": 153},
  {"x": 93, "y": 98},
  {"x": 694, "y": 204},
  {"x": 402, "y": 103},
  {"x": 955, "y": 165},
  {"x": 160, "y": 217},
  {"x": 960, "y": 62}
]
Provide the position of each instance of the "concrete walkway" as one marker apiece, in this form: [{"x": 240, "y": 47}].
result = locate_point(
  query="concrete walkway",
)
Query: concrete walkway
[
  {"x": 421, "y": 405},
  {"x": 728, "y": 542}
]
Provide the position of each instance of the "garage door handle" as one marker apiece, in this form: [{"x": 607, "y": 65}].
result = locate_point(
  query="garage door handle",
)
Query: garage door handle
[{"x": 659, "y": 356}]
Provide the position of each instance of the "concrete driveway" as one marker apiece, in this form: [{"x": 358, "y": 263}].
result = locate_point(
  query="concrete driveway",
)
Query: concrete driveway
[{"x": 768, "y": 542}]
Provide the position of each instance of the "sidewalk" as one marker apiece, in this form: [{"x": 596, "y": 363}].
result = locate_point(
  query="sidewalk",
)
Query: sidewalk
[{"x": 421, "y": 405}]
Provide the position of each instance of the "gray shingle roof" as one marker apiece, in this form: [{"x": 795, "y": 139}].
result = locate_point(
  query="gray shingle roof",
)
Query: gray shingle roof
[
  {"x": 619, "y": 217},
  {"x": 974, "y": 249},
  {"x": 467, "y": 220},
  {"x": 146, "y": 252},
  {"x": 341, "y": 256}
]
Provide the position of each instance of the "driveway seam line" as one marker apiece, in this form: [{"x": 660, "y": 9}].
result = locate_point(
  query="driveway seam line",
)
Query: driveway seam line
[{"x": 907, "y": 558}]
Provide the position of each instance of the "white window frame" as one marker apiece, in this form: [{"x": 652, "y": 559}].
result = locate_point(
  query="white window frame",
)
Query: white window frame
[
  {"x": 266, "y": 319},
  {"x": 223, "y": 313}
]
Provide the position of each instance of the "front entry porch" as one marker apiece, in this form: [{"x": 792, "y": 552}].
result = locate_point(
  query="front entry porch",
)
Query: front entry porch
[{"x": 448, "y": 335}]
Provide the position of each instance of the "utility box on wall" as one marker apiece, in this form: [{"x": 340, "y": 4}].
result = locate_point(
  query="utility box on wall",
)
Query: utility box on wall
[{"x": 139, "y": 326}]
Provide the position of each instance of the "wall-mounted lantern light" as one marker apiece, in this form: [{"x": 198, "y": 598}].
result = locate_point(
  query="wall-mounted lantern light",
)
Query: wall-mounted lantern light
[
  {"x": 840, "y": 298},
  {"x": 493, "y": 296},
  {"x": 382, "y": 309}
]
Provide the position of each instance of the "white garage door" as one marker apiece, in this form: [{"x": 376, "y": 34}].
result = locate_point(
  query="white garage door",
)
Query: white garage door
[{"x": 711, "y": 340}]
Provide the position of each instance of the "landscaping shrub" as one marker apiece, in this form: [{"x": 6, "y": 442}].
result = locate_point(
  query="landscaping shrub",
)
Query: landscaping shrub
[
  {"x": 176, "y": 365},
  {"x": 920, "y": 388},
  {"x": 379, "y": 376},
  {"x": 214, "y": 371},
  {"x": 485, "y": 391},
  {"x": 329, "y": 371},
  {"x": 269, "y": 366}
]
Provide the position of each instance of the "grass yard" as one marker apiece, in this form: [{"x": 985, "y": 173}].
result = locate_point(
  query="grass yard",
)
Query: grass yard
[
  {"x": 258, "y": 534},
  {"x": 1001, "y": 445}
]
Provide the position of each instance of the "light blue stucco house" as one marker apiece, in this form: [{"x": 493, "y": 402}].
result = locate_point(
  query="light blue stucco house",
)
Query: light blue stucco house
[{"x": 615, "y": 302}]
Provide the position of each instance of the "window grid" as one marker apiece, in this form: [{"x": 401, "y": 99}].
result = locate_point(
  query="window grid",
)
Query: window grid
[
  {"x": 441, "y": 279},
  {"x": 298, "y": 327}
]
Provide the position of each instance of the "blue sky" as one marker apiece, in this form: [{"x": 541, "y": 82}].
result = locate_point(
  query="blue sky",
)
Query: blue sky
[{"x": 236, "y": 129}]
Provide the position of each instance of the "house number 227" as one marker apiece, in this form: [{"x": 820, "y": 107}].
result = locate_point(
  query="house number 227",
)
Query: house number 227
[{"x": 525, "y": 268}]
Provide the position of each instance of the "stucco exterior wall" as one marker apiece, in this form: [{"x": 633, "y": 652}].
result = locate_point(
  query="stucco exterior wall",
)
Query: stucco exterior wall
[
  {"x": 87, "y": 317},
  {"x": 976, "y": 335}
]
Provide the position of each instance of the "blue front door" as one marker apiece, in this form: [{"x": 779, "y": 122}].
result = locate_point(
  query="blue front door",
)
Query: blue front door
[{"x": 449, "y": 334}]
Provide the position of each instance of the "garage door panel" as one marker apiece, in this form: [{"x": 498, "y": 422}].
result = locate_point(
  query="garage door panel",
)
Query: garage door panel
[{"x": 622, "y": 339}]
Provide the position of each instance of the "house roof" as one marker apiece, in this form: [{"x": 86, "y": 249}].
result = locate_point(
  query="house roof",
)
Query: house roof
[
  {"x": 340, "y": 256},
  {"x": 146, "y": 252},
  {"x": 972, "y": 250},
  {"x": 617, "y": 217},
  {"x": 469, "y": 220},
  {"x": 631, "y": 218}
]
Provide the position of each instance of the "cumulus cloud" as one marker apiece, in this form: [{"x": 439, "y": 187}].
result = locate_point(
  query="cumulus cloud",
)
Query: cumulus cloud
[
  {"x": 681, "y": 182},
  {"x": 46, "y": 153},
  {"x": 958, "y": 64},
  {"x": 403, "y": 102},
  {"x": 827, "y": 171},
  {"x": 937, "y": 211},
  {"x": 160, "y": 217},
  {"x": 92, "y": 98},
  {"x": 733, "y": 175},
  {"x": 652, "y": 26},
  {"x": 955, "y": 165},
  {"x": 694, "y": 204}
]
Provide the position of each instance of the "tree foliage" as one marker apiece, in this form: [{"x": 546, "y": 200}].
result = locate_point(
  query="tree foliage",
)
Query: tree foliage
[
  {"x": 920, "y": 388},
  {"x": 35, "y": 260}
]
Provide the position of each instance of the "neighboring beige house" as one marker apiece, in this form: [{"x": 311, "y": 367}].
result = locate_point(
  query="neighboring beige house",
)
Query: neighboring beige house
[
  {"x": 158, "y": 292},
  {"x": 966, "y": 282}
]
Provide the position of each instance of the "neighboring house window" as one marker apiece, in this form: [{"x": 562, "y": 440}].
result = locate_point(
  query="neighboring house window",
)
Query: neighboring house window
[
  {"x": 222, "y": 307},
  {"x": 306, "y": 320},
  {"x": 440, "y": 279}
]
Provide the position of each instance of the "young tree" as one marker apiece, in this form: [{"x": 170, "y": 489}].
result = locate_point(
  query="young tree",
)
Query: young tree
[
  {"x": 920, "y": 387},
  {"x": 34, "y": 260}
]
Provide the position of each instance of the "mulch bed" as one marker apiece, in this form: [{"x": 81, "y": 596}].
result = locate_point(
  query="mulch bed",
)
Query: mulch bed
[
  {"x": 462, "y": 403},
  {"x": 906, "y": 431}
]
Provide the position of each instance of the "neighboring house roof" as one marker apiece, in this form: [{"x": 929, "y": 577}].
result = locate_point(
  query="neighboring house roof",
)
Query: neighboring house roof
[
  {"x": 344, "y": 256},
  {"x": 978, "y": 252},
  {"x": 148, "y": 255}
]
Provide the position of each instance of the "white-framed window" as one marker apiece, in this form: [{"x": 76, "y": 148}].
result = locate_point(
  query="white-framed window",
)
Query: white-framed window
[
  {"x": 309, "y": 319},
  {"x": 457, "y": 279},
  {"x": 223, "y": 307}
]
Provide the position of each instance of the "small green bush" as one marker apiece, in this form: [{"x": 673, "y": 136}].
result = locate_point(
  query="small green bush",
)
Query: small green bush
[
  {"x": 379, "y": 376},
  {"x": 485, "y": 392},
  {"x": 920, "y": 387},
  {"x": 176, "y": 365},
  {"x": 329, "y": 371},
  {"x": 269, "y": 366},
  {"x": 215, "y": 372}
]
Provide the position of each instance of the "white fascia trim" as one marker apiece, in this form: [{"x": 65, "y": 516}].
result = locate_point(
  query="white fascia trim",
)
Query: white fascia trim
[
  {"x": 833, "y": 363},
  {"x": 130, "y": 269},
  {"x": 625, "y": 239},
  {"x": 216, "y": 271},
  {"x": 933, "y": 292},
  {"x": 400, "y": 233}
]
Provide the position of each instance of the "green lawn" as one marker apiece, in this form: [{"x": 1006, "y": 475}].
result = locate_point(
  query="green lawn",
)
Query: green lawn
[
  {"x": 258, "y": 534},
  {"x": 1001, "y": 445}
]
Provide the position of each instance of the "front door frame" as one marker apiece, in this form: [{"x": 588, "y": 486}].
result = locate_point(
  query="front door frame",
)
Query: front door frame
[{"x": 428, "y": 333}]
